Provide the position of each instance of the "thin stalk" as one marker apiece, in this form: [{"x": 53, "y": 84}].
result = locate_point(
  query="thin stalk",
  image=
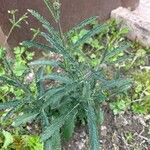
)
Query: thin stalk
[
  {"x": 13, "y": 26},
  {"x": 62, "y": 34},
  {"x": 6, "y": 61}
]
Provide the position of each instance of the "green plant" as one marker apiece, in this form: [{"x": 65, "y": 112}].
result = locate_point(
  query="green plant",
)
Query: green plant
[
  {"x": 8, "y": 139},
  {"x": 62, "y": 95},
  {"x": 129, "y": 137},
  {"x": 141, "y": 96},
  {"x": 20, "y": 68},
  {"x": 18, "y": 61},
  {"x": 33, "y": 142},
  {"x": 120, "y": 105},
  {"x": 135, "y": 67},
  {"x": 14, "y": 141},
  {"x": 96, "y": 45}
]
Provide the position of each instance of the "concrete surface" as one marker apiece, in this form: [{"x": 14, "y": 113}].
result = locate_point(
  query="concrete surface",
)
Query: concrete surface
[
  {"x": 137, "y": 21},
  {"x": 143, "y": 11}
]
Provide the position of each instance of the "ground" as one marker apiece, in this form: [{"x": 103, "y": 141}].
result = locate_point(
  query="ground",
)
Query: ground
[{"x": 123, "y": 132}]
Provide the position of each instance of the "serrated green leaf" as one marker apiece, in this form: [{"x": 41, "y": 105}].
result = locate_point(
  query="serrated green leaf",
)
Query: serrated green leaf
[
  {"x": 39, "y": 84},
  {"x": 115, "y": 83},
  {"x": 99, "y": 116},
  {"x": 115, "y": 52},
  {"x": 24, "y": 119},
  {"x": 54, "y": 97},
  {"x": 51, "y": 92},
  {"x": 86, "y": 91},
  {"x": 56, "y": 77},
  {"x": 69, "y": 126},
  {"x": 35, "y": 44},
  {"x": 56, "y": 125},
  {"x": 52, "y": 63},
  {"x": 93, "y": 129},
  {"x": 82, "y": 25},
  {"x": 9, "y": 104},
  {"x": 54, "y": 43},
  {"x": 32, "y": 141},
  {"x": 19, "y": 69},
  {"x": 8, "y": 81},
  {"x": 44, "y": 22},
  {"x": 54, "y": 143}
]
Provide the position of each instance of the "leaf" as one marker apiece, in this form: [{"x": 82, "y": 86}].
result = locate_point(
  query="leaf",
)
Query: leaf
[
  {"x": 44, "y": 119},
  {"x": 93, "y": 130},
  {"x": 44, "y": 22},
  {"x": 55, "y": 96},
  {"x": 68, "y": 128},
  {"x": 19, "y": 50},
  {"x": 100, "y": 97},
  {"x": 52, "y": 96},
  {"x": 115, "y": 52},
  {"x": 9, "y": 104},
  {"x": 19, "y": 69},
  {"x": 119, "y": 60},
  {"x": 35, "y": 44},
  {"x": 54, "y": 100},
  {"x": 56, "y": 77},
  {"x": 32, "y": 141},
  {"x": 86, "y": 91},
  {"x": 52, "y": 63},
  {"x": 51, "y": 92},
  {"x": 15, "y": 83},
  {"x": 39, "y": 84},
  {"x": 56, "y": 125},
  {"x": 8, "y": 139},
  {"x": 24, "y": 119},
  {"x": 100, "y": 116},
  {"x": 115, "y": 83},
  {"x": 8, "y": 81},
  {"x": 89, "y": 34},
  {"x": 54, "y": 143},
  {"x": 54, "y": 42},
  {"x": 82, "y": 25}
]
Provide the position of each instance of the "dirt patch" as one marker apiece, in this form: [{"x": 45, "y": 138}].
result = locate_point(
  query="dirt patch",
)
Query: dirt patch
[{"x": 123, "y": 132}]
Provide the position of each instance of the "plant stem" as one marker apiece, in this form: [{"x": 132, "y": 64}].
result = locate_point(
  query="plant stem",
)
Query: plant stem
[{"x": 61, "y": 34}]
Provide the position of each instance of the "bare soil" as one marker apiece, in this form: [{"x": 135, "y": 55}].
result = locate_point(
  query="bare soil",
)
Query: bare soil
[{"x": 122, "y": 132}]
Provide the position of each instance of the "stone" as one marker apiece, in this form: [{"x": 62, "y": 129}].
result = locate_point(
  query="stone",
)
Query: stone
[
  {"x": 132, "y": 4},
  {"x": 139, "y": 27}
]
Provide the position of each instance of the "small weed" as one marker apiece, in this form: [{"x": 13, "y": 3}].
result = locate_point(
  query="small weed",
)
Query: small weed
[
  {"x": 129, "y": 137},
  {"x": 120, "y": 106}
]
